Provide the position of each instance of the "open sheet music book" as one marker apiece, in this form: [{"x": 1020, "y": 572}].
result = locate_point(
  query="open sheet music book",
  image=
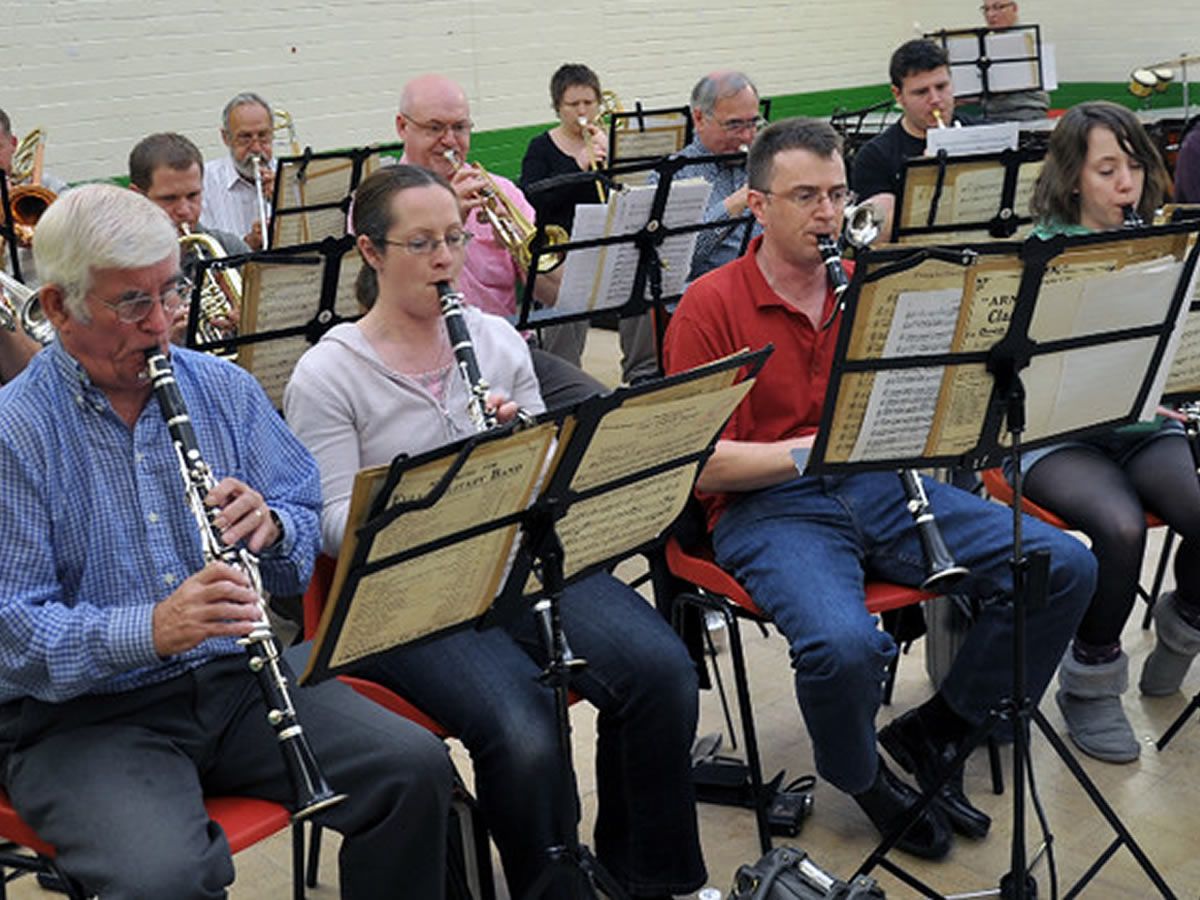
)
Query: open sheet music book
[
  {"x": 915, "y": 380},
  {"x": 602, "y": 277},
  {"x": 432, "y": 541}
]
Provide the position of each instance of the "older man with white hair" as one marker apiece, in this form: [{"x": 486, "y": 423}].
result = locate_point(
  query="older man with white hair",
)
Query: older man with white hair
[
  {"x": 231, "y": 192},
  {"x": 124, "y": 694}
]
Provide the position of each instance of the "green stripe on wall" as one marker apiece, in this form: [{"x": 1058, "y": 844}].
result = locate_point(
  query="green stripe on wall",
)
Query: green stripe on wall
[{"x": 501, "y": 150}]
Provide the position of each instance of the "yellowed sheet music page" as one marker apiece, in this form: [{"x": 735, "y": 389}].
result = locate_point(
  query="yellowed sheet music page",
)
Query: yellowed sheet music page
[
  {"x": 992, "y": 286},
  {"x": 977, "y": 191},
  {"x": 593, "y": 529},
  {"x": 277, "y": 296},
  {"x": 635, "y": 437},
  {"x": 854, "y": 393},
  {"x": 402, "y": 602},
  {"x": 1185, "y": 372},
  {"x": 956, "y": 427},
  {"x": 1026, "y": 177},
  {"x": 661, "y": 140}
]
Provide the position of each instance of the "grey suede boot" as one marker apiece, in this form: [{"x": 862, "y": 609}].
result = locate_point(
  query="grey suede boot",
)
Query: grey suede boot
[
  {"x": 1178, "y": 643},
  {"x": 1090, "y": 699}
]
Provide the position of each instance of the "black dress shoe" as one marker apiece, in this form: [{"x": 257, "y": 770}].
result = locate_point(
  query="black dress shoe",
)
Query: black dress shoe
[
  {"x": 907, "y": 742},
  {"x": 889, "y": 799}
]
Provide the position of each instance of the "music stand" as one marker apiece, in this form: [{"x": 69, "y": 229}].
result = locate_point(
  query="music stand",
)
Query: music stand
[
  {"x": 641, "y": 135},
  {"x": 449, "y": 519},
  {"x": 632, "y": 255},
  {"x": 290, "y": 297},
  {"x": 313, "y": 192},
  {"x": 953, "y": 199},
  {"x": 985, "y": 62},
  {"x": 929, "y": 369},
  {"x": 8, "y": 232}
]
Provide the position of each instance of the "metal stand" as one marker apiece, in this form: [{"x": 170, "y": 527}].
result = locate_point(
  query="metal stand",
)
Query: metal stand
[
  {"x": 1030, "y": 585},
  {"x": 571, "y": 871}
]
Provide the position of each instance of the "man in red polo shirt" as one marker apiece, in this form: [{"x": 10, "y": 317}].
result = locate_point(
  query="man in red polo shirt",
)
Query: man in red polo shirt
[{"x": 803, "y": 545}]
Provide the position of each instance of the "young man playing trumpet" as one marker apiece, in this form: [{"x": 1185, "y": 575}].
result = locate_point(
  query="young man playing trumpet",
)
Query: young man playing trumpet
[
  {"x": 236, "y": 185},
  {"x": 435, "y": 124},
  {"x": 803, "y": 545},
  {"x": 920, "y": 74}
]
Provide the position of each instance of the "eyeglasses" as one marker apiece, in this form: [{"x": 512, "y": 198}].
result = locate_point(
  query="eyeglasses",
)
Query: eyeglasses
[
  {"x": 435, "y": 129},
  {"x": 250, "y": 138},
  {"x": 134, "y": 306},
  {"x": 734, "y": 125},
  {"x": 427, "y": 246},
  {"x": 838, "y": 197},
  {"x": 994, "y": 7}
]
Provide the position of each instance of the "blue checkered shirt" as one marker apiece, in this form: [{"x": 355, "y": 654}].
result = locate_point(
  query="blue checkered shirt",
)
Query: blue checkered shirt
[
  {"x": 715, "y": 246},
  {"x": 94, "y": 529}
]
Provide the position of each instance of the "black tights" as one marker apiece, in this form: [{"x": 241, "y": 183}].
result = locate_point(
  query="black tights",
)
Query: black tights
[{"x": 1108, "y": 503}]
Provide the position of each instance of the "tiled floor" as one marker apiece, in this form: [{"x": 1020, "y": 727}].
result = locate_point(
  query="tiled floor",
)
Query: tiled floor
[{"x": 1158, "y": 796}]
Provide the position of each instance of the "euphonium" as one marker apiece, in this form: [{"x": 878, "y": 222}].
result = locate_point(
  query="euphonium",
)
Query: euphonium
[
  {"x": 221, "y": 292},
  {"x": 19, "y": 305},
  {"x": 510, "y": 225},
  {"x": 311, "y": 792}
]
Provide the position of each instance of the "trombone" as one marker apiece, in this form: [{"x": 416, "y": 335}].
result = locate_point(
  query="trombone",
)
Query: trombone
[
  {"x": 256, "y": 161},
  {"x": 585, "y": 128},
  {"x": 511, "y": 226}
]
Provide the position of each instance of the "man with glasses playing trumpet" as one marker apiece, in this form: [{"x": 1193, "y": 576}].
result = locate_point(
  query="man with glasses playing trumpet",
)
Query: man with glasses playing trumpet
[
  {"x": 434, "y": 122},
  {"x": 803, "y": 545},
  {"x": 239, "y": 188}
]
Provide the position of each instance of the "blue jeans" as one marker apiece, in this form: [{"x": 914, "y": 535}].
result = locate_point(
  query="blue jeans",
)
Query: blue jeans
[
  {"x": 482, "y": 686},
  {"x": 803, "y": 549}
]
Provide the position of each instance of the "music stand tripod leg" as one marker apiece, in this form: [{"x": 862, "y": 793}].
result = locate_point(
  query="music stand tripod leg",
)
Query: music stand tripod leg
[{"x": 569, "y": 862}]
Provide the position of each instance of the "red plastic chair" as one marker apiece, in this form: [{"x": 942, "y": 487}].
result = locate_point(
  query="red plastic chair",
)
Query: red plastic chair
[
  {"x": 245, "y": 821},
  {"x": 999, "y": 489},
  {"x": 720, "y": 592}
]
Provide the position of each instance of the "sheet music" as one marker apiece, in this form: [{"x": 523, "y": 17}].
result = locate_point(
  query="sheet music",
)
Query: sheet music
[
  {"x": 602, "y": 277},
  {"x": 989, "y": 138},
  {"x": 1093, "y": 297},
  {"x": 903, "y": 402},
  {"x": 1185, "y": 371},
  {"x": 278, "y": 296},
  {"x": 1167, "y": 369}
]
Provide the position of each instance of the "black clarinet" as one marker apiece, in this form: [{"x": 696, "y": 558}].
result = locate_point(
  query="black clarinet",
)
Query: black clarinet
[
  {"x": 942, "y": 572},
  {"x": 831, "y": 255},
  {"x": 310, "y": 789},
  {"x": 464, "y": 355},
  {"x": 1131, "y": 218}
]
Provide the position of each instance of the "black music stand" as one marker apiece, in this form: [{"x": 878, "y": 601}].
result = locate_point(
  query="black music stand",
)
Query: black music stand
[
  {"x": 291, "y": 296},
  {"x": 313, "y": 192},
  {"x": 8, "y": 232},
  {"x": 948, "y": 199},
  {"x": 639, "y": 256},
  {"x": 985, "y": 62},
  {"x": 592, "y": 477},
  {"x": 1000, "y": 334}
]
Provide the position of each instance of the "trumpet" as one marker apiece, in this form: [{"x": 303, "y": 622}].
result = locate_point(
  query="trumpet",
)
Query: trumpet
[
  {"x": 221, "y": 291},
  {"x": 20, "y": 305},
  {"x": 256, "y": 161},
  {"x": 511, "y": 227},
  {"x": 311, "y": 793}
]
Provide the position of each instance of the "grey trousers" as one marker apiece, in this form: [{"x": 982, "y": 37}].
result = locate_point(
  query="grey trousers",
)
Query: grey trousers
[{"x": 116, "y": 783}]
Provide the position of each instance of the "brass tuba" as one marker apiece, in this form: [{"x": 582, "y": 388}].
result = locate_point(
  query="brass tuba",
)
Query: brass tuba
[
  {"x": 221, "y": 292},
  {"x": 19, "y": 305},
  {"x": 511, "y": 227}
]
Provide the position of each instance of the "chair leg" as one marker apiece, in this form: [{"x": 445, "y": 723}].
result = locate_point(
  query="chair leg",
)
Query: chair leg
[
  {"x": 1160, "y": 573},
  {"x": 298, "y": 860},
  {"x": 749, "y": 735},
  {"x": 314, "y": 857}
]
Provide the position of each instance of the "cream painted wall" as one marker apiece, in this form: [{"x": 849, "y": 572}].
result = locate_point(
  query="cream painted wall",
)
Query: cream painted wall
[{"x": 100, "y": 74}]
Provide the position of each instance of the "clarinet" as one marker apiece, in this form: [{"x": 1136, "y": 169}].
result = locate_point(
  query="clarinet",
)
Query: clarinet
[
  {"x": 941, "y": 569},
  {"x": 942, "y": 572},
  {"x": 831, "y": 257},
  {"x": 310, "y": 790},
  {"x": 1131, "y": 218},
  {"x": 464, "y": 356}
]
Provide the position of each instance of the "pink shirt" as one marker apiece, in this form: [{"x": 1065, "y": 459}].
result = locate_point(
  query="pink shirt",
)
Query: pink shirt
[{"x": 490, "y": 276}]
